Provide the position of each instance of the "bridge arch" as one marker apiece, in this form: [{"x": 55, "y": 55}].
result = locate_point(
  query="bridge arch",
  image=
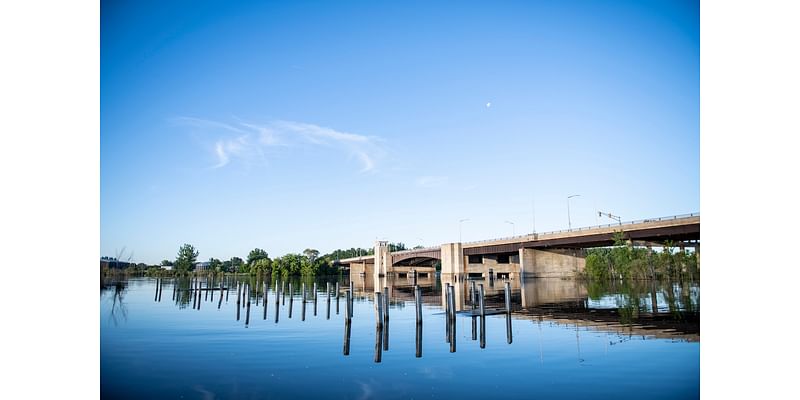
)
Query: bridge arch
[{"x": 417, "y": 257}]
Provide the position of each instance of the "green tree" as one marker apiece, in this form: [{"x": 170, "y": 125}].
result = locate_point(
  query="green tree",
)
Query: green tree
[
  {"x": 256, "y": 254},
  {"x": 215, "y": 264},
  {"x": 187, "y": 256},
  {"x": 236, "y": 264},
  {"x": 166, "y": 263},
  {"x": 261, "y": 266},
  {"x": 311, "y": 254}
]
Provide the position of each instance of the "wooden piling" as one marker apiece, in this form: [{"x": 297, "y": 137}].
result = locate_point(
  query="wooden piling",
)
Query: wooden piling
[
  {"x": 219, "y": 305},
  {"x": 481, "y": 302},
  {"x": 418, "y": 302},
  {"x": 266, "y": 291},
  {"x": 379, "y": 308},
  {"x": 452, "y": 305},
  {"x": 238, "y": 294},
  {"x": 155, "y": 297},
  {"x": 508, "y": 297},
  {"x": 174, "y": 287},
  {"x": 385, "y": 303},
  {"x": 247, "y": 316},
  {"x": 347, "y": 305},
  {"x": 278, "y": 290},
  {"x": 199, "y": 293},
  {"x": 291, "y": 299}
]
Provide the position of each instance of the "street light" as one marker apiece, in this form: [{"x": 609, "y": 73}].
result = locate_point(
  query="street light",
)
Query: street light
[
  {"x": 459, "y": 228},
  {"x": 513, "y": 228},
  {"x": 569, "y": 221}
]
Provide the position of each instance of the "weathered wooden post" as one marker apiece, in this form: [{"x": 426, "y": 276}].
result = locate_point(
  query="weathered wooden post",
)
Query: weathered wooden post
[
  {"x": 347, "y": 315},
  {"x": 208, "y": 285},
  {"x": 278, "y": 291},
  {"x": 418, "y": 302},
  {"x": 238, "y": 294},
  {"x": 379, "y": 308},
  {"x": 174, "y": 287},
  {"x": 304, "y": 292},
  {"x": 303, "y": 307},
  {"x": 452, "y": 302},
  {"x": 351, "y": 300},
  {"x": 155, "y": 297},
  {"x": 266, "y": 290},
  {"x": 219, "y": 305},
  {"x": 291, "y": 299},
  {"x": 199, "y": 294},
  {"x": 508, "y": 297},
  {"x": 328, "y": 290},
  {"x": 447, "y": 312},
  {"x": 451, "y": 319},
  {"x": 481, "y": 303},
  {"x": 385, "y": 303},
  {"x": 247, "y": 317}
]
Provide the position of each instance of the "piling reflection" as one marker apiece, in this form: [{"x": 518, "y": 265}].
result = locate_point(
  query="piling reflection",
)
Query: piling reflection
[{"x": 649, "y": 309}]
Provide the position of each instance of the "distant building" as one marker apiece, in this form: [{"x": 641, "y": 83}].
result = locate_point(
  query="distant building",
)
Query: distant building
[{"x": 202, "y": 266}]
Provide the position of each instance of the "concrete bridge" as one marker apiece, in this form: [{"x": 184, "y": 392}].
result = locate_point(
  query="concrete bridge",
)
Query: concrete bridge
[{"x": 558, "y": 254}]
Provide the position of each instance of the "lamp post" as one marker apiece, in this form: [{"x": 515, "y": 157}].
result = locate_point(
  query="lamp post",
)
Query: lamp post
[
  {"x": 569, "y": 220},
  {"x": 459, "y": 228},
  {"x": 513, "y": 228}
]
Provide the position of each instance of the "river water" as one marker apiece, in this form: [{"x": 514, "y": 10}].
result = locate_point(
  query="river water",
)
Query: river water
[{"x": 563, "y": 339}]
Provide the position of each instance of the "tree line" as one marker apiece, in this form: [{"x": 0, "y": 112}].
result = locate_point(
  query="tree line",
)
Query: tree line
[
  {"x": 258, "y": 262},
  {"x": 624, "y": 261}
]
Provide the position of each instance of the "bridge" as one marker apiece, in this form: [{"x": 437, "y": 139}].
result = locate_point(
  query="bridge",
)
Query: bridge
[{"x": 551, "y": 254}]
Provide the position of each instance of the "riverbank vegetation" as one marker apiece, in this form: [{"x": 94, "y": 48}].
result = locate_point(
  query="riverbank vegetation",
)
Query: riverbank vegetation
[
  {"x": 625, "y": 261},
  {"x": 258, "y": 262}
]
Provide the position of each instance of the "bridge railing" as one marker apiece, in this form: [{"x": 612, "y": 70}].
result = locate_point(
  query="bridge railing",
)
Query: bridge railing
[{"x": 586, "y": 228}]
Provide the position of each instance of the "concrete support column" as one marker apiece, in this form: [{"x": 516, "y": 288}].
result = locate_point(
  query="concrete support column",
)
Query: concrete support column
[
  {"x": 551, "y": 263},
  {"x": 453, "y": 259},
  {"x": 383, "y": 260}
]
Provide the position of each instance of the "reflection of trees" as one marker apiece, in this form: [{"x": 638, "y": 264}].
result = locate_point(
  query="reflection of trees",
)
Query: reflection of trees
[{"x": 118, "y": 308}]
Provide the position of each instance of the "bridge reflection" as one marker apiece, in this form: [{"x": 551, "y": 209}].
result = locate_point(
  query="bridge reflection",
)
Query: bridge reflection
[{"x": 641, "y": 309}]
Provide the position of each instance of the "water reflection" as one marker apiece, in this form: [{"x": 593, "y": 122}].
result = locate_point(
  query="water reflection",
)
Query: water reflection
[{"x": 648, "y": 309}]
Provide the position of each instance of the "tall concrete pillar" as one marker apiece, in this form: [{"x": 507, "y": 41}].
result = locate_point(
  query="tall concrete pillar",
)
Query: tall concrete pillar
[
  {"x": 383, "y": 260},
  {"x": 453, "y": 259},
  {"x": 553, "y": 263}
]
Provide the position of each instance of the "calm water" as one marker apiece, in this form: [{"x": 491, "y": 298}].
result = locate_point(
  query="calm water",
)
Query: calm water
[{"x": 564, "y": 339}]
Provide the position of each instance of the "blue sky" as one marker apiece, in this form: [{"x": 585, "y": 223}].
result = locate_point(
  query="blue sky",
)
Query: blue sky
[{"x": 327, "y": 125}]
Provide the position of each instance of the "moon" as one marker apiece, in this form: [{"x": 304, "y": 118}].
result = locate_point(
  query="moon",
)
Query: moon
[{"x": 489, "y": 104}]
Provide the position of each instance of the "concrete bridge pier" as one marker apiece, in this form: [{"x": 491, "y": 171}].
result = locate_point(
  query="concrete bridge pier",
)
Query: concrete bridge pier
[{"x": 555, "y": 263}]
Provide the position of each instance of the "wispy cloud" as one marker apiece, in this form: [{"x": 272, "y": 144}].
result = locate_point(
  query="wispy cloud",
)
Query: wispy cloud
[
  {"x": 431, "y": 181},
  {"x": 245, "y": 141}
]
